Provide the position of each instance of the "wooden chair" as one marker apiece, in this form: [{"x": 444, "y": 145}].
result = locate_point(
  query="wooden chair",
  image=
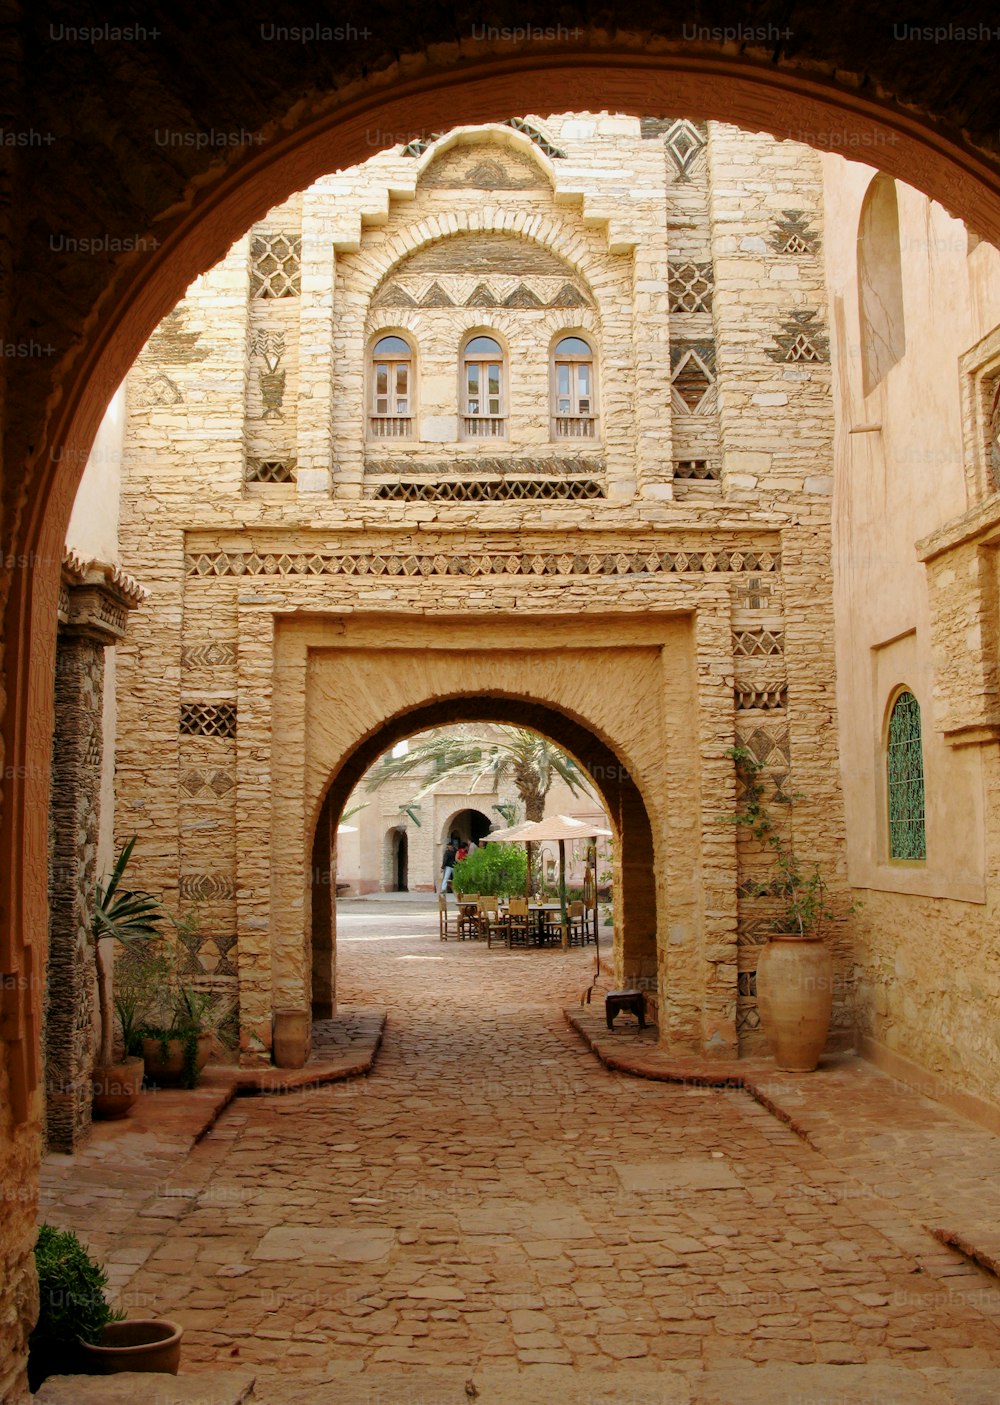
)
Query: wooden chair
[
  {"x": 449, "y": 925},
  {"x": 518, "y": 930},
  {"x": 578, "y": 932},
  {"x": 491, "y": 925},
  {"x": 468, "y": 915}
]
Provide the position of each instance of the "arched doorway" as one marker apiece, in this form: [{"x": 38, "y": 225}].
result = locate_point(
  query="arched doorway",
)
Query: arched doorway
[
  {"x": 197, "y": 209},
  {"x": 191, "y": 211},
  {"x": 467, "y": 824},
  {"x": 622, "y": 749},
  {"x": 400, "y": 861},
  {"x": 636, "y": 947}
]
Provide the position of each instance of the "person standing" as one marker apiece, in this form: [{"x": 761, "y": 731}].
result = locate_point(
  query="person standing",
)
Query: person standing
[{"x": 447, "y": 865}]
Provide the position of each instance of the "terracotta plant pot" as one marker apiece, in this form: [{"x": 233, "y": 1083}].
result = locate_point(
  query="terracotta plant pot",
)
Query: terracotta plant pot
[
  {"x": 145, "y": 1344},
  {"x": 116, "y": 1088},
  {"x": 291, "y": 1038},
  {"x": 795, "y": 998},
  {"x": 167, "y": 1065}
]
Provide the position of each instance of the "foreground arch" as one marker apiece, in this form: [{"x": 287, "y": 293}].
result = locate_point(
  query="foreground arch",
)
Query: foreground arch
[{"x": 138, "y": 231}]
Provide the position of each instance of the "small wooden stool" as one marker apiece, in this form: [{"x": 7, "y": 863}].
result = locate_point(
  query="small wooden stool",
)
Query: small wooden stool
[{"x": 617, "y": 1000}]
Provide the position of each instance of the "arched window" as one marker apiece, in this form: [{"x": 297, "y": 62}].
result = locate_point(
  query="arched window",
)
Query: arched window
[
  {"x": 484, "y": 398},
  {"x": 573, "y": 403},
  {"x": 391, "y": 415},
  {"x": 905, "y": 780},
  {"x": 880, "y": 283}
]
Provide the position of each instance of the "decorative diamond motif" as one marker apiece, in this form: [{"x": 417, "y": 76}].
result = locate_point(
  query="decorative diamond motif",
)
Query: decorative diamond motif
[
  {"x": 208, "y": 719},
  {"x": 270, "y": 471},
  {"x": 690, "y": 287},
  {"x": 793, "y": 235},
  {"x": 684, "y": 141},
  {"x": 692, "y": 376},
  {"x": 275, "y": 261},
  {"x": 801, "y": 339}
]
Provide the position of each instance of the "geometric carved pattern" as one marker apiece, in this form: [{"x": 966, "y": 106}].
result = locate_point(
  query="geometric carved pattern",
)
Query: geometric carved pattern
[
  {"x": 694, "y": 470},
  {"x": 270, "y": 471},
  {"x": 217, "y": 782},
  {"x": 792, "y": 235},
  {"x": 208, "y": 719},
  {"x": 683, "y": 140},
  {"x": 566, "y": 295},
  {"x": 492, "y": 490},
  {"x": 763, "y": 697},
  {"x": 500, "y": 467},
  {"x": 768, "y": 745},
  {"x": 275, "y": 266},
  {"x": 692, "y": 375},
  {"x": 652, "y": 560},
  {"x": 418, "y": 146},
  {"x": 690, "y": 287},
  {"x": 802, "y": 340},
  {"x": 207, "y": 655},
  {"x": 754, "y": 643},
  {"x": 206, "y": 887}
]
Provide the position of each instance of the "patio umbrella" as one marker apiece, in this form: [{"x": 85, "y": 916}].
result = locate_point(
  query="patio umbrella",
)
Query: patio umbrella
[{"x": 559, "y": 828}]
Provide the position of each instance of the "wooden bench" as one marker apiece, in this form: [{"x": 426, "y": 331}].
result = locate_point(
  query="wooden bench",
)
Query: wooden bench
[{"x": 617, "y": 1000}]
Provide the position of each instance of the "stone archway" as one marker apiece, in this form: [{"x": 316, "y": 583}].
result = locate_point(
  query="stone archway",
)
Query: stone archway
[
  {"x": 637, "y": 921},
  {"x": 633, "y": 740},
  {"x": 189, "y": 215},
  {"x": 166, "y": 220}
]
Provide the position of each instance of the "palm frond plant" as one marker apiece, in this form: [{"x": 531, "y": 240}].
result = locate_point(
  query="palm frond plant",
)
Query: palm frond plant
[
  {"x": 517, "y": 756},
  {"x": 129, "y": 916}
]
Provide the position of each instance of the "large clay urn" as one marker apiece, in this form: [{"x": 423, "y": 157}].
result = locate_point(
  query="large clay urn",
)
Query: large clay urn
[
  {"x": 117, "y": 1088},
  {"x": 291, "y": 1038},
  {"x": 795, "y": 999}
]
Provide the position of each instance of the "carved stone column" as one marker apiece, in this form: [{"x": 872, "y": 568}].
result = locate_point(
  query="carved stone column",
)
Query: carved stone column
[{"x": 93, "y": 611}]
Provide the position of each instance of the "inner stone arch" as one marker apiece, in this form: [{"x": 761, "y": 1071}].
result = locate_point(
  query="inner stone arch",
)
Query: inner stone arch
[{"x": 635, "y": 896}]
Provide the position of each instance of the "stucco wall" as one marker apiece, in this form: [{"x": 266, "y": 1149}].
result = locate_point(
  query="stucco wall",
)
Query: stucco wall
[{"x": 928, "y": 971}]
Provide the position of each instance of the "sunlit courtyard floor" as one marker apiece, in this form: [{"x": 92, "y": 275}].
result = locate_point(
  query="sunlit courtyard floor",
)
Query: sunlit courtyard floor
[{"x": 492, "y": 1214}]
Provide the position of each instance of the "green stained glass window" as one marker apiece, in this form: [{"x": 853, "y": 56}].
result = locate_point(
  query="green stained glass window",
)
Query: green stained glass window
[{"x": 905, "y": 762}]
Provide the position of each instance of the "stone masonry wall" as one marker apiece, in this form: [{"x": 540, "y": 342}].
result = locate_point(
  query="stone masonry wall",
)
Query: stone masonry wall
[{"x": 657, "y": 241}]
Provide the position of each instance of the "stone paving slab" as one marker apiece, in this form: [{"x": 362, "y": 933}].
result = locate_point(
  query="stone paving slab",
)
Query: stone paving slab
[
  {"x": 486, "y": 1148},
  {"x": 137, "y": 1388},
  {"x": 890, "y": 1137}
]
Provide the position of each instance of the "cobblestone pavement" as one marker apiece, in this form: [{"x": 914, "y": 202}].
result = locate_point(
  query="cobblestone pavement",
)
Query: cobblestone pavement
[{"x": 493, "y": 1206}]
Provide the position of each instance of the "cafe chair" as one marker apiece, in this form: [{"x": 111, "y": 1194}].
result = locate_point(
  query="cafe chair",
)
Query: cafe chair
[{"x": 449, "y": 924}]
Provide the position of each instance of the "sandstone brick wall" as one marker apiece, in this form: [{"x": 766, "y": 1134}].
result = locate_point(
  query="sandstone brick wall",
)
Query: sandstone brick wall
[{"x": 690, "y": 255}]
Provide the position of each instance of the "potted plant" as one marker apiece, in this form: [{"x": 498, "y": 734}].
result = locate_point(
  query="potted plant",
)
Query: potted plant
[
  {"x": 182, "y": 1023},
  {"x": 77, "y": 1331},
  {"x": 795, "y": 969},
  {"x": 130, "y": 917}
]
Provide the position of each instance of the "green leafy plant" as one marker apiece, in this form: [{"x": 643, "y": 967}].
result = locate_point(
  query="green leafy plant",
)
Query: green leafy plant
[
  {"x": 169, "y": 1006},
  {"x": 141, "y": 976},
  {"x": 494, "y": 869},
  {"x": 72, "y": 1305},
  {"x": 128, "y": 916},
  {"x": 801, "y": 892}
]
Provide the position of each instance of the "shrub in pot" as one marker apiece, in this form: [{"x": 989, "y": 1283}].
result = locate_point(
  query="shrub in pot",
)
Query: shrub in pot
[
  {"x": 184, "y": 1023},
  {"x": 72, "y": 1307}
]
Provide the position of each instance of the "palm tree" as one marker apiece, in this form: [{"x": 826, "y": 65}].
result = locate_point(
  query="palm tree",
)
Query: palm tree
[{"x": 530, "y": 761}]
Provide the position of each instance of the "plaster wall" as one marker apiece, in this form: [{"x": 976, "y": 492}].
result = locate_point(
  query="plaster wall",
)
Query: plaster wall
[{"x": 928, "y": 975}]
